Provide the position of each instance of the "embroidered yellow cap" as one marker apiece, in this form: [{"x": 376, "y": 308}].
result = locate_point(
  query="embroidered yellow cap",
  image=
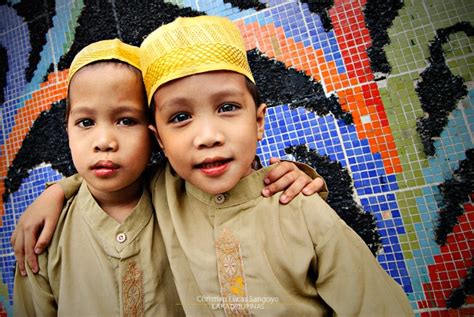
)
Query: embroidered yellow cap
[
  {"x": 190, "y": 46},
  {"x": 105, "y": 50}
]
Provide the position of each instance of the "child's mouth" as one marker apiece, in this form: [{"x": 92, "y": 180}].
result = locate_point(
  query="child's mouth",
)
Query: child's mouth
[
  {"x": 105, "y": 168},
  {"x": 214, "y": 167}
]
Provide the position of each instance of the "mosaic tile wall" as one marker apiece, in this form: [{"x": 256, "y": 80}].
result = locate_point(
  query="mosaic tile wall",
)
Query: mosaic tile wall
[{"x": 381, "y": 149}]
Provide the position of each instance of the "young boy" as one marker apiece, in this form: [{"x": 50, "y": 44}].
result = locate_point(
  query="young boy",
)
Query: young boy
[
  {"x": 107, "y": 256},
  {"x": 231, "y": 252}
]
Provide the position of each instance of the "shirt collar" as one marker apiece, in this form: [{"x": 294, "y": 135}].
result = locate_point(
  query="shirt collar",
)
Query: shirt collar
[
  {"x": 108, "y": 229},
  {"x": 247, "y": 189}
]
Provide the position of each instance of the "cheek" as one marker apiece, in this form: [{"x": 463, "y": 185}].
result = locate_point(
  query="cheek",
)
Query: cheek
[{"x": 73, "y": 143}]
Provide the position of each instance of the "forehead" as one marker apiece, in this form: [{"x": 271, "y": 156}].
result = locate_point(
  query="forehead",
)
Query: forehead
[
  {"x": 102, "y": 68},
  {"x": 106, "y": 73},
  {"x": 208, "y": 84},
  {"x": 107, "y": 83}
]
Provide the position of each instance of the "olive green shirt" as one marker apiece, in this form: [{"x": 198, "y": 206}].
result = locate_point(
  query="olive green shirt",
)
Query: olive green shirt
[
  {"x": 96, "y": 266},
  {"x": 239, "y": 254}
]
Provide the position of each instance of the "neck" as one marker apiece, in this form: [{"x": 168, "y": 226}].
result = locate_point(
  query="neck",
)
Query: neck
[{"x": 119, "y": 204}]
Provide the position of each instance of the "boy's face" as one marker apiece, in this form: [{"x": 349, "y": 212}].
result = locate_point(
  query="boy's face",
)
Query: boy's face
[
  {"x": 108, "y": 128},
  {"x": 208, "y": 127}
]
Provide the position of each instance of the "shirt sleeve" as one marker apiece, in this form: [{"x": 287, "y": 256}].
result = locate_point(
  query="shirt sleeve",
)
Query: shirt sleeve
[
  {"x": 70, "y": 185},
  {"x": 32, "y": 295},
  {"x": 349, "y": 278}
]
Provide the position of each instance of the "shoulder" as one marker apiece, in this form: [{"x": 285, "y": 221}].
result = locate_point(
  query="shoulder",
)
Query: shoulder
[
  {"x": 318, "y": 216},
  {"x": 69, "y": 211}
]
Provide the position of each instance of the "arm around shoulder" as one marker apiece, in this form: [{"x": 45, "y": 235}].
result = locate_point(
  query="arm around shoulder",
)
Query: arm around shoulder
[{"x": 70, "y": 185}]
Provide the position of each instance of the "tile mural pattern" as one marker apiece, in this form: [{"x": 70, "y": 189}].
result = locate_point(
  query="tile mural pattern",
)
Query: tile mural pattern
[{"x": 392, "y": 177}]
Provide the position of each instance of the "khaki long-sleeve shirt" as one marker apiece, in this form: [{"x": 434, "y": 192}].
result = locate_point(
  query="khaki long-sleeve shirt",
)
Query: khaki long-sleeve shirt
[
  {"x": 98, "y": 267},
  {"x": 239, "y": 254}
]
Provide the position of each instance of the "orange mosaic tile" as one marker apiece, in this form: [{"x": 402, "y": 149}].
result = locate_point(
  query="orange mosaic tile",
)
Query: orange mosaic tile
[{"x": 52, "y": 90}]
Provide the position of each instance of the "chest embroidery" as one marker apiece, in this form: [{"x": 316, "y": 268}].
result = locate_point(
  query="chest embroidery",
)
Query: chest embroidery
[
  {"x": 231, "y": 274},
  {"x": 132, "y": 287}
]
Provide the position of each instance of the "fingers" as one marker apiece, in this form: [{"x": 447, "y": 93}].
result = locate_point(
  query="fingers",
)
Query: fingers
[
  {"x": 274, "y": 160},
  {"x": 45, "y": 237},
  {"x": 314, "y": 187},
  {"x": 30, "y": 242},
  {"x": 294, "y": 189},
  {"x": 13, "y": 238},
  {"x": 19, "y": 250},
  {"x": 292, "y": 183},
  {"x": 281, "y": 169}
]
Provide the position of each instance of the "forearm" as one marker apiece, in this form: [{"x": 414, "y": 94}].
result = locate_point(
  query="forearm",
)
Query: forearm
[
  {"x": 36, "y": 227},
  {"x": 70, "y": 185}
]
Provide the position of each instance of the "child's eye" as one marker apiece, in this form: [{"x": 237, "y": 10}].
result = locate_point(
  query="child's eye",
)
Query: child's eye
[
  {"x": 85, "y": 123},
  {"x": 126, "y": 121},
  {"x": 180, "y": 117},
  {"x": 228, "y": 107}
]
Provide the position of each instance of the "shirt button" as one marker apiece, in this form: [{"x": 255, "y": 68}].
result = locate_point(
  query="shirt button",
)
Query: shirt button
[
  {"x": 121, "y": 237},
  {"x": 219, "y": 198}
]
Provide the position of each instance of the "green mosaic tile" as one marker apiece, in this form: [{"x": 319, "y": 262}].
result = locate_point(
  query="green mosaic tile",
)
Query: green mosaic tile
[
  {"x": 179, "y": 3},
  {"x": 75, "y": 12}
]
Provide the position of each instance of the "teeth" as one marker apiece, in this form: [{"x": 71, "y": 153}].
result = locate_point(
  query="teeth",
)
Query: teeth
[{"x": 211, "y": 165}]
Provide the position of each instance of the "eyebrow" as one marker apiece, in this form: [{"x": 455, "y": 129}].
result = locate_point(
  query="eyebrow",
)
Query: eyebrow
[
  {"x": 82, "y": 109},
  {"x": 117, "y": 110},
  {"x": 174, "y": 100},
  {"x": 221, "y": 94}
]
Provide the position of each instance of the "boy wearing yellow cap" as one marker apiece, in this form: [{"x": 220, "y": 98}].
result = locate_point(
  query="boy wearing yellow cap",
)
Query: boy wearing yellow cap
[
  {"x": 107, "y": 256},
  {"x": 233, "y": 253}
]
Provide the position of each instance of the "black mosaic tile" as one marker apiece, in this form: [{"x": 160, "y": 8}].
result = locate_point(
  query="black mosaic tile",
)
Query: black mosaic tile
[
  {"x": 39, "y": 17},
  {"x": 321, "y": 8},
  {"x": 281, "y": 85},
  {"x": 46, "y": 142},
  {"x": 458, "y": 295},
  {"x": 439, "y": 90},
  {"x": 96, "y": 22},
  {"x": 246, "y": 4},
  {"x": 455, "y": 192},
  {"x": 379, "y": 16},
  {"x": 136, "y": 18}
]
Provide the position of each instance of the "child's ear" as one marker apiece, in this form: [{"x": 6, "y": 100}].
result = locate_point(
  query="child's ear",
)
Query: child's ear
[
  {"x": 154, "y": 131},
  {"x": 261, "y": 110}
]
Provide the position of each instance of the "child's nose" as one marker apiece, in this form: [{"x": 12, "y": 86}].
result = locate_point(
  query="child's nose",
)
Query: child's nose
[
  {"x": 208, "y": 136},
  {"x": 105, "y": 142}
]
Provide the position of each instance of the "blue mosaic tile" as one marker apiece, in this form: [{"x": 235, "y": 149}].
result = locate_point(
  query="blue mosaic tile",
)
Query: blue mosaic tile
[
  {"x": 14, "y": 207},
  {"x": 17, "y": 43}
]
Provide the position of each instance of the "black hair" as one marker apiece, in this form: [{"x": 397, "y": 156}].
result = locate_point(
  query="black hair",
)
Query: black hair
[{"x": 253, "y": 89}]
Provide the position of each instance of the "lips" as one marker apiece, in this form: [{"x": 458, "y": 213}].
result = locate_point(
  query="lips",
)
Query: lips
[
  {"x": 105, "y": 168},
  {"x": 214, "y": 166}
]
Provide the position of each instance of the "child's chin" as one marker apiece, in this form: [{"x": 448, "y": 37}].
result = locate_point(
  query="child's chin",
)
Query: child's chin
[{"x": 218, "y": 189}]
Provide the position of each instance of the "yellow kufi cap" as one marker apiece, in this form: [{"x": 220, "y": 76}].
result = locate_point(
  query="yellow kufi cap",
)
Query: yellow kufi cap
[
  {"x": 189, "y": 46},
  {"x": 105, "y": 50}
]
